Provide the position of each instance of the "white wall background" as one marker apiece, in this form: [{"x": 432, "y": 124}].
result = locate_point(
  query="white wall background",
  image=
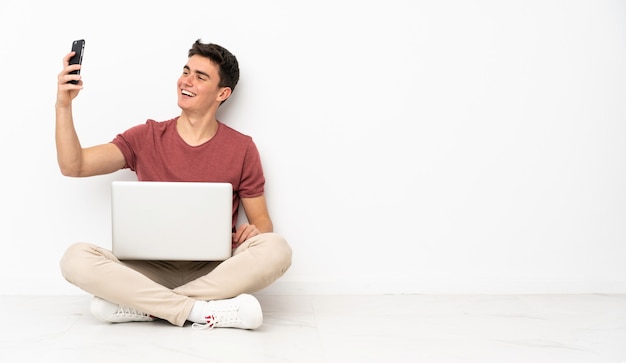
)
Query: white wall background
[{"x": 409, "y": 146}]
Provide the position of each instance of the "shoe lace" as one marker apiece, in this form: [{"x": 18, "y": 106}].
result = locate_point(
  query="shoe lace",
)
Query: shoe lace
[
  {"x": 220, "y": 316},
  {"x": 210, "y": 323},
  {"x": 127, "y": 312}
]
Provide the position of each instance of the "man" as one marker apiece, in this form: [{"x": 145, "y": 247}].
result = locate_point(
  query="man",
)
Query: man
[{"x": 193, "y": 146}]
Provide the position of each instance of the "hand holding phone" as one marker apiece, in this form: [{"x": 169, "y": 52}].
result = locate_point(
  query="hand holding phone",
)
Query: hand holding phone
[{"x": 78, "y": 46}]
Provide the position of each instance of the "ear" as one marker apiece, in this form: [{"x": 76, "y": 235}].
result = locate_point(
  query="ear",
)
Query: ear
[{"x": 224, "y": 94}]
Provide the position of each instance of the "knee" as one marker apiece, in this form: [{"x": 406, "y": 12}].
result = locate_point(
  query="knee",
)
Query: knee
[
  {"x": 73, "y": 261},
  {"x": 281, "y": 251}
]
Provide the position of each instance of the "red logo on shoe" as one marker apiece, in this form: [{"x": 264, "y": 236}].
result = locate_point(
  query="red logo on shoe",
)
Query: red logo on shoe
[{"x": 210, "y": 320}]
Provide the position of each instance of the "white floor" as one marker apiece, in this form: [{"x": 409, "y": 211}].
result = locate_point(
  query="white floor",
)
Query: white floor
[{"x": 378, "y": 328}]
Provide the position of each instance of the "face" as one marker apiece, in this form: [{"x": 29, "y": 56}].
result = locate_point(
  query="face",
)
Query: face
[{"x": 198, "y": 89}]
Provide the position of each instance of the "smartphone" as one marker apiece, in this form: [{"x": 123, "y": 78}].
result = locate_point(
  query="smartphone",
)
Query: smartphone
[{"x": 78, "y": 46}]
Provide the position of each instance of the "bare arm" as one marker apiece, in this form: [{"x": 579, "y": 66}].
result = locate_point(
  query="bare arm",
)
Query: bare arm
[
  {"x": 259, "y": 220},
  {"x": 73, "y": 159}
]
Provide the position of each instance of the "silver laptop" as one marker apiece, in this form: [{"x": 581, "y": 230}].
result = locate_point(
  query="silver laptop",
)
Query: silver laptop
[{"x": 185, "y": 221}]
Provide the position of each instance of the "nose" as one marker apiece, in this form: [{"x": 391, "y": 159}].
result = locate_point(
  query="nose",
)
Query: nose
[{"x": 186, "y": 79}]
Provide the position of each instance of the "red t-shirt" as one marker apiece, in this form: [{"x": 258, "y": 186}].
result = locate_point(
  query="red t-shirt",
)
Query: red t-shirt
[{"x": 156, "y": 152}]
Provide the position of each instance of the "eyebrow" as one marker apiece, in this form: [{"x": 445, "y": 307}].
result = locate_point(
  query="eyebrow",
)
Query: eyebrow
[{"x": 197, "y": 71}]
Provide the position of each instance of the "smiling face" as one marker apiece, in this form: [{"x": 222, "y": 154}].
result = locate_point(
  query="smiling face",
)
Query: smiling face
[{"x": 198, "y": 86}]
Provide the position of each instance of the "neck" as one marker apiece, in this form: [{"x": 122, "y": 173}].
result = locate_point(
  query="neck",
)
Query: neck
[{"x": 196, "y": 131}]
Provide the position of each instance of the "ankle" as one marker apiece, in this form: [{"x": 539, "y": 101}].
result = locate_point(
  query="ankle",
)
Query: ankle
[{"x": 197, "y": 313}]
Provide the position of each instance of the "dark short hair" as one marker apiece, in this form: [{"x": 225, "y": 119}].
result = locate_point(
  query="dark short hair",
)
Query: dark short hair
[{"x": 226, "y": 61}]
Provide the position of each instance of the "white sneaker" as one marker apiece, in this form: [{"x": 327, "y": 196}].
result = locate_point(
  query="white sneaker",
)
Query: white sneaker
[
  {"x": 113, "y": 313},
  {"x": 243, "y": 312}
]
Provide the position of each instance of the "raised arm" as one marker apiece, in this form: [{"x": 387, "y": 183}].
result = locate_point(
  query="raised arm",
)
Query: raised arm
[{"x": 73, "y": 159}]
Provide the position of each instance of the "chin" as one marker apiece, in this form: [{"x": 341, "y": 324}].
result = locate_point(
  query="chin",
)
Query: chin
[{"x": 183, "y": 103}]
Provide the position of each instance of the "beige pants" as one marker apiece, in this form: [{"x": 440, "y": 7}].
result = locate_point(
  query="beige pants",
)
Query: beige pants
[{"x": 168, "y": 289}]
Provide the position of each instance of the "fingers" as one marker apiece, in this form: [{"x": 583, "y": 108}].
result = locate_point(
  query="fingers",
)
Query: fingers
[
  {"x": 245, "y": 232},
  {"x": 66, "y": 91},
  {"x": 66, "y": 76},
  {"x": 66, "y": 59}
]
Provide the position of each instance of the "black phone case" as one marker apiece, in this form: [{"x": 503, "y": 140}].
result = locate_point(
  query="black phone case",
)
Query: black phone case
[{"x": 78, "y": 46}]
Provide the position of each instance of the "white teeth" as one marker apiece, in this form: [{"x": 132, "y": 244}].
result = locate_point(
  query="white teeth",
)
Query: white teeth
[{"x": 187, "y": 93}]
